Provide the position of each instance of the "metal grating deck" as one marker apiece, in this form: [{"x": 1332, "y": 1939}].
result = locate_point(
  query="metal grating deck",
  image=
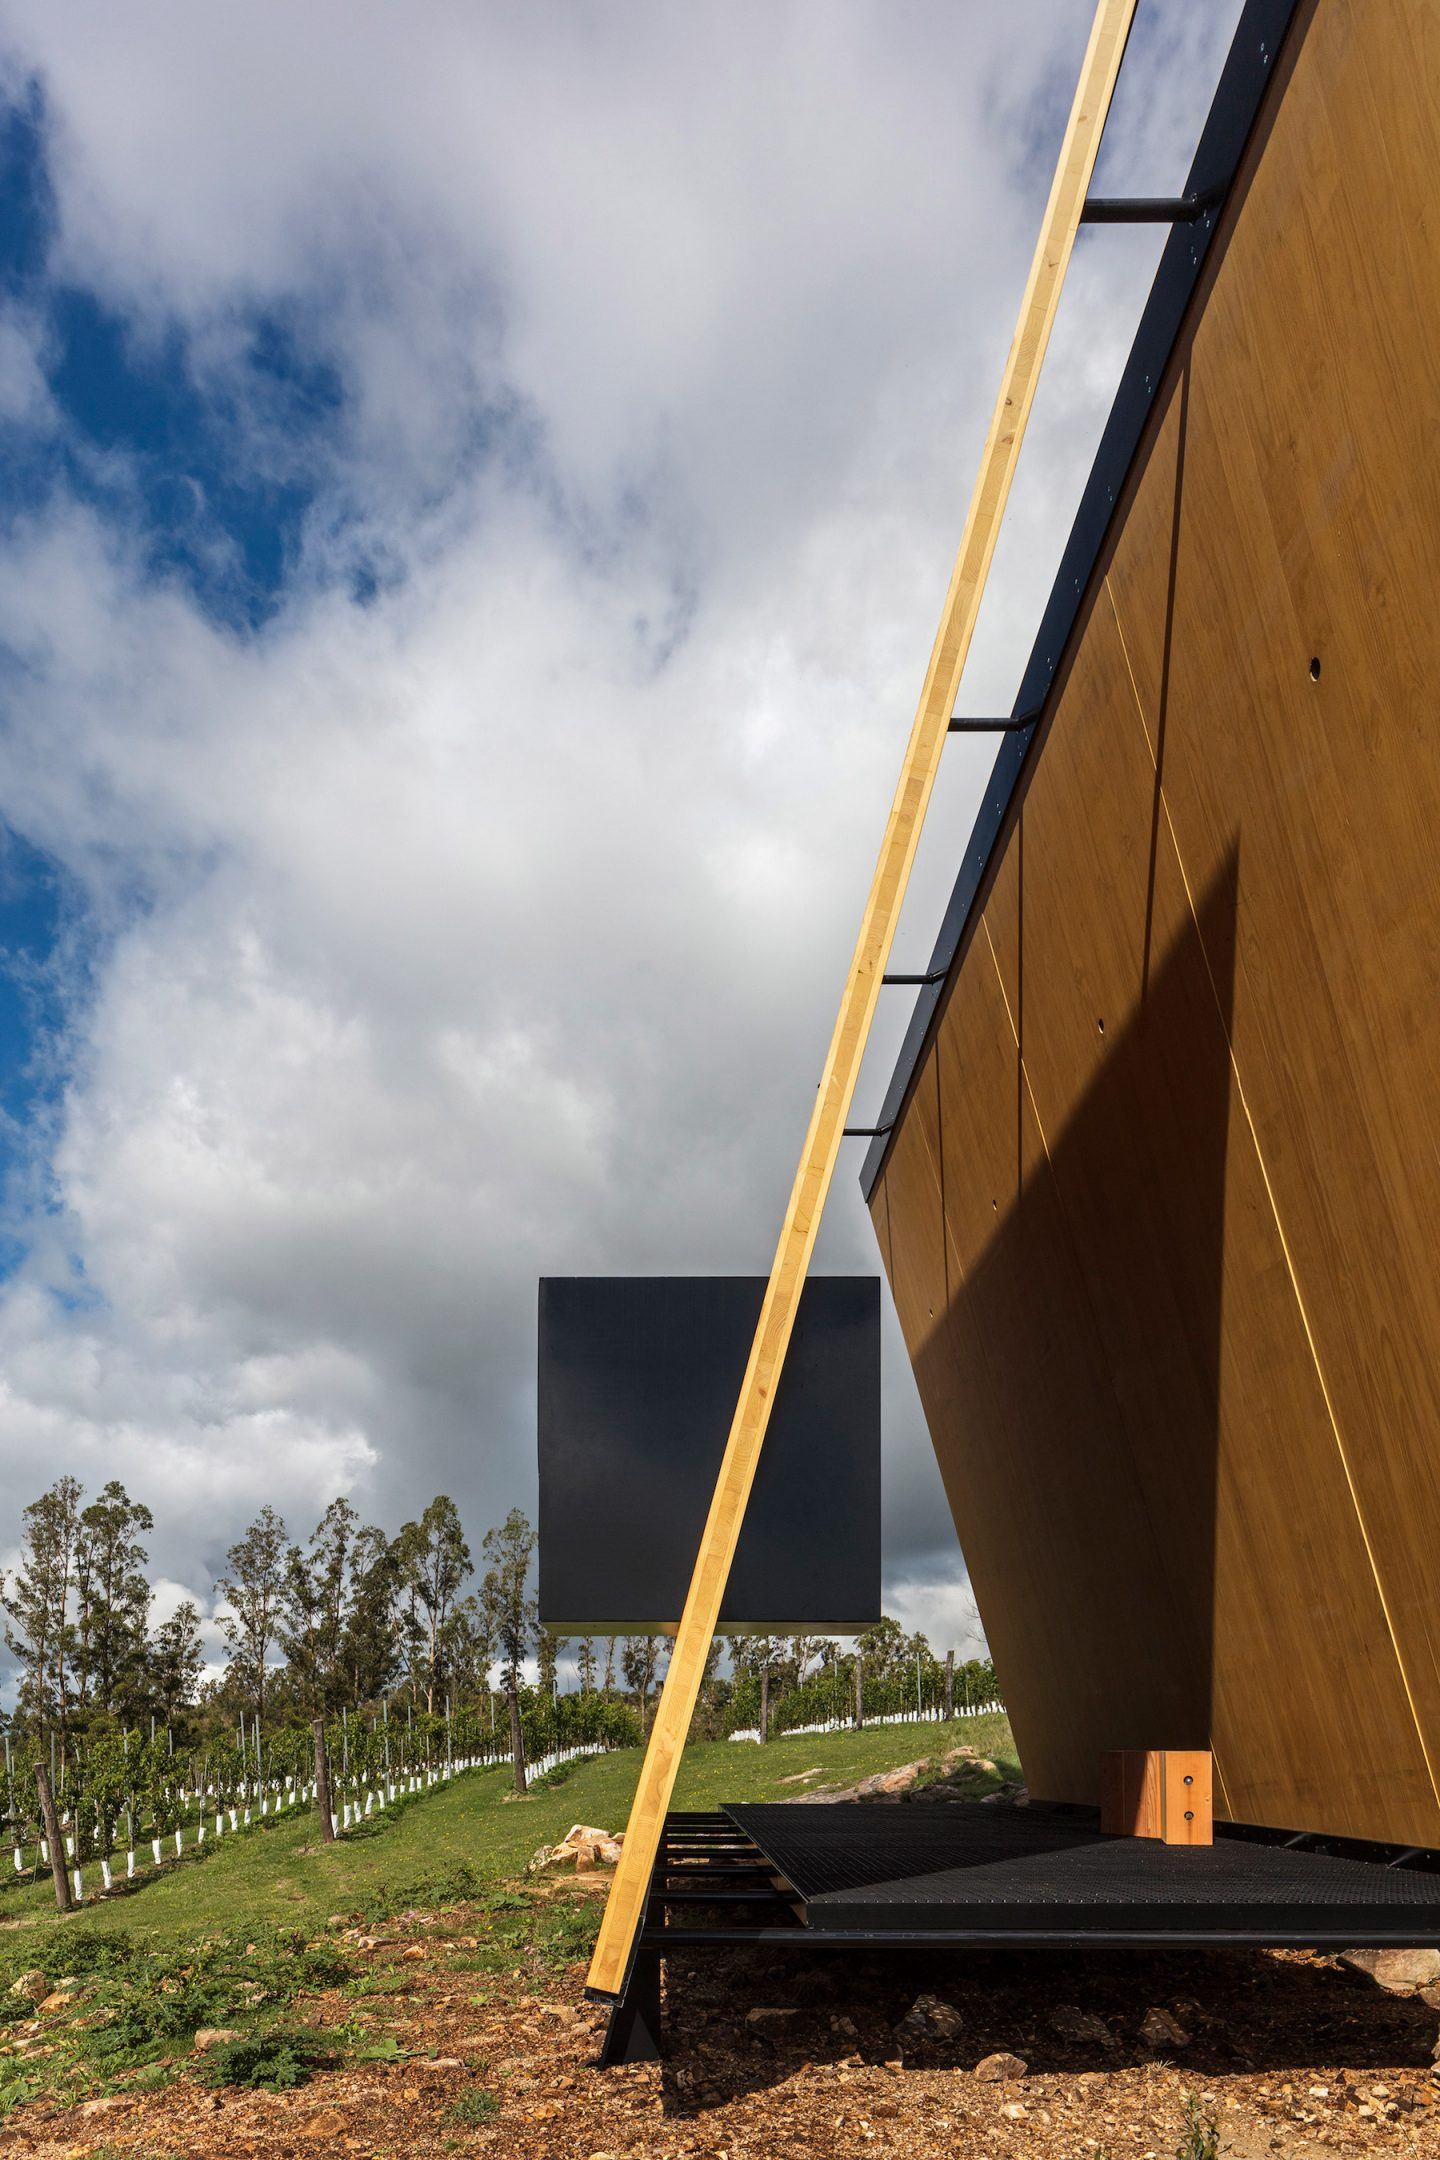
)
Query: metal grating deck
[{"x": 968, "y": 1870}]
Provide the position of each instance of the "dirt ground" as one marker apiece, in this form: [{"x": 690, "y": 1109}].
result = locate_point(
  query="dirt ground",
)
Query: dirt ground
[{"x": 766, "y": 2056}]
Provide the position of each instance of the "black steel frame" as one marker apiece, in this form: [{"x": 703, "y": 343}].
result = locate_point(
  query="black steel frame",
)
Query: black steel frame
[
  {"x": 1196, "y": 217},
  {"x": 706, "y": 1859}
]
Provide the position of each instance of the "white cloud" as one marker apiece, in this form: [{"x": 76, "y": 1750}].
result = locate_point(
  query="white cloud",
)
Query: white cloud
[{"x": 494, "y": 928}]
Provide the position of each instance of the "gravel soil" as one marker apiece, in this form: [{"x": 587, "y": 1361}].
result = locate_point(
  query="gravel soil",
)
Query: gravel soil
[{"x": 1287, "y": 2053}]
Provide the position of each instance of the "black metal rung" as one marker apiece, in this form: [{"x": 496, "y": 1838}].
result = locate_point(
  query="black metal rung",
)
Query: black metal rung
[
  {"x": 725, "y": 1871},
  {"x": 718, "y": 1897},
  {"x": 705, "y": 1852},
  {"x": 866, "y": 1132},
  {"x": 959, "y": 725},
  {"x": 709, "y": 1845},
  {"x": 1146, "y": 209}
]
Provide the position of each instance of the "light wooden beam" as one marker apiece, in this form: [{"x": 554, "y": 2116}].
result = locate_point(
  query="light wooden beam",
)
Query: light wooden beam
[{"x": 625, "y": 1907}]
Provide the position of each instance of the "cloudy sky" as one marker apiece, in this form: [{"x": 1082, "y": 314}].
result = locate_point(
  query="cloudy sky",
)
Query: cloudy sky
[{"x": 478, "y": 488}]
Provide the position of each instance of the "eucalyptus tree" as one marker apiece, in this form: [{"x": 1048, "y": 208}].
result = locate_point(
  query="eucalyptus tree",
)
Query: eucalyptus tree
[
  {"x": 433, "y": 1563},
  {"x": 315, "y": 1605},
  {"x": 112, "y": 1596},
  {"x": 175, "y": 1661},
  {"x": 253, "y": 1590},
  {"x": 641, "y": 1663},
  {"x": 372, "y": 1646},
  {"x": 37, "y": 1596},
  {"x": 511, "y": 1606}
]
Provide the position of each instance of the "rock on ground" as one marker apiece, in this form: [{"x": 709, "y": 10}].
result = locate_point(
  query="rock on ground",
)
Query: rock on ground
[
  {"x": 583, "y": 1846},
  {"x": 1073, "y": 2023},
  {"x": 1159, "y": 2030},
  {"x": 1000, "y": 2069},
  {"x": 930, "y": 2017},
  {"x": 212, "y": 2036},
  {"x": 1399, "y": 1972}
]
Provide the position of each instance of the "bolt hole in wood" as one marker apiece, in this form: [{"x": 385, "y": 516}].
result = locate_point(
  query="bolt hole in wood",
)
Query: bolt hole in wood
[
  {"x": 1101, "y": 1026},
  {"x": 1315, "y": 670}
]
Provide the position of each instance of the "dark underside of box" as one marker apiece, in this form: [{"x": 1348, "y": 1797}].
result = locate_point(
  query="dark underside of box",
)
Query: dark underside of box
[{"x": 969, "y": 1869}]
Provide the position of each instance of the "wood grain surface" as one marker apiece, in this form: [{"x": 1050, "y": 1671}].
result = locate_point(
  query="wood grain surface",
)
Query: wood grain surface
[{"x": 1200, "y": 1019}]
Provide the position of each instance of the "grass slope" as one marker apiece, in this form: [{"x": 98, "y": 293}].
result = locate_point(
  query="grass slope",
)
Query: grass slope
[{"x": 281, "y": 1874}]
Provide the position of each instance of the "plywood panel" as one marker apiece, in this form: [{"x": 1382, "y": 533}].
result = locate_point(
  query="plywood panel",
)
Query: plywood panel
[
  {"x": 1035, "y": 1459},
  {"x": 1312, "y": 514},
  {"x": 1125, "y": 1033},
  {"x": 1210, "y": 1273}
]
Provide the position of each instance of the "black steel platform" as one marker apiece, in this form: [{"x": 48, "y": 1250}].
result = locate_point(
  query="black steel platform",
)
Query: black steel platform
[
  {"x": 971, "y": 1873},
  {"x": 957, "y": 1875}
]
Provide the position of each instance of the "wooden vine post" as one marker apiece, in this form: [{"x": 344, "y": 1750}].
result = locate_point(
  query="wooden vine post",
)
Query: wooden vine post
[{"x": 624, "y": 1911}]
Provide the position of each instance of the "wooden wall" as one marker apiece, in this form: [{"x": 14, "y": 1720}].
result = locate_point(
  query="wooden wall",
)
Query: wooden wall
[{"x": 1162, "y": 1215}]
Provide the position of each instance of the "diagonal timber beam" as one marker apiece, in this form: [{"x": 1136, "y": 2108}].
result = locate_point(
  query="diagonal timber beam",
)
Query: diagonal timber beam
[{"x": 625, "y": 1908}]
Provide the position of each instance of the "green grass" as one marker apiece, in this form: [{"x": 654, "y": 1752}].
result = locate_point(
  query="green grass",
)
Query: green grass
[
  {"x": 283, "y": 1875},
  {"x": 238, "y": 1939},
  {"x": 475, "y": 2107}
]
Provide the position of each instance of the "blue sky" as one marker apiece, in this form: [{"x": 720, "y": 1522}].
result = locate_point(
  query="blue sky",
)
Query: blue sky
[
  {"x": 133, "y": 434},
  {"x": 475, "y": 507}
]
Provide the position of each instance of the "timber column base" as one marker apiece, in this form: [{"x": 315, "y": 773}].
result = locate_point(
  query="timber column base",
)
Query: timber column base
[{"x": 1163, "y": 1793}]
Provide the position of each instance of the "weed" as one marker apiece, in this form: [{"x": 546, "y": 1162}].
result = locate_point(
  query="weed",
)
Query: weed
[
  {"x": 1200, "y": 2138},
  {"x": 474, "y": 2107},
  {"x": 378, "y": 1983},
  {"x": 275, "y": 2060},
  {"x": 386, "y": 2049}
]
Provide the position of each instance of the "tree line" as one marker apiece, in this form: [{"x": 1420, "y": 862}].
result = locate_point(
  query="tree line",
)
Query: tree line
[{"x": 353, "y": 1621}]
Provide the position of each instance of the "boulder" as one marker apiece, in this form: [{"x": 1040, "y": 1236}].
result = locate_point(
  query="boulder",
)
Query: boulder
[
  {"x": 1000, "y": 2069},
  {"x": 213, "y": 2036},
  {"x": 1399, "y": 1972},
  {"x": 1158, "y": 2029},
  {"x": 930, "y": 2017},
  {"x": 583, "y": 1846},
  {"x": 1073, "y": 2023},
  {"x": 884, "y": 1784},
  {"x": 881, "y": 1786}
]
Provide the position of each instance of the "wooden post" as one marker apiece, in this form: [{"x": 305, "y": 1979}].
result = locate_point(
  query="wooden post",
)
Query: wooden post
[
  {"x": 949, "y": 1685},
  {"x": 517, "y": 1739},
  {"x": 322, "y": 1781},
  {"x": 625, "y": 1907},
  {"x": 54, "y": 1838},
  {"x": 1158, "y": 1793}
]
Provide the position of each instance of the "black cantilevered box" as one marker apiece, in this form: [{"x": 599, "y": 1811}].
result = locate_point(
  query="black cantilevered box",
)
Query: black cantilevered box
[{"x": 638, "y": 1381}]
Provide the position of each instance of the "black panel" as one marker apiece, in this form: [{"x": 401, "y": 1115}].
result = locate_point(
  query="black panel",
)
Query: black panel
[{"x": 639, "y": 1377}]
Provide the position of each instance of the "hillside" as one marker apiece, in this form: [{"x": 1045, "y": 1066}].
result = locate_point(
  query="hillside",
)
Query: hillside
[
  {"x": 414, "y": 1991},
  {"x": 281, "y": 1874}
]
